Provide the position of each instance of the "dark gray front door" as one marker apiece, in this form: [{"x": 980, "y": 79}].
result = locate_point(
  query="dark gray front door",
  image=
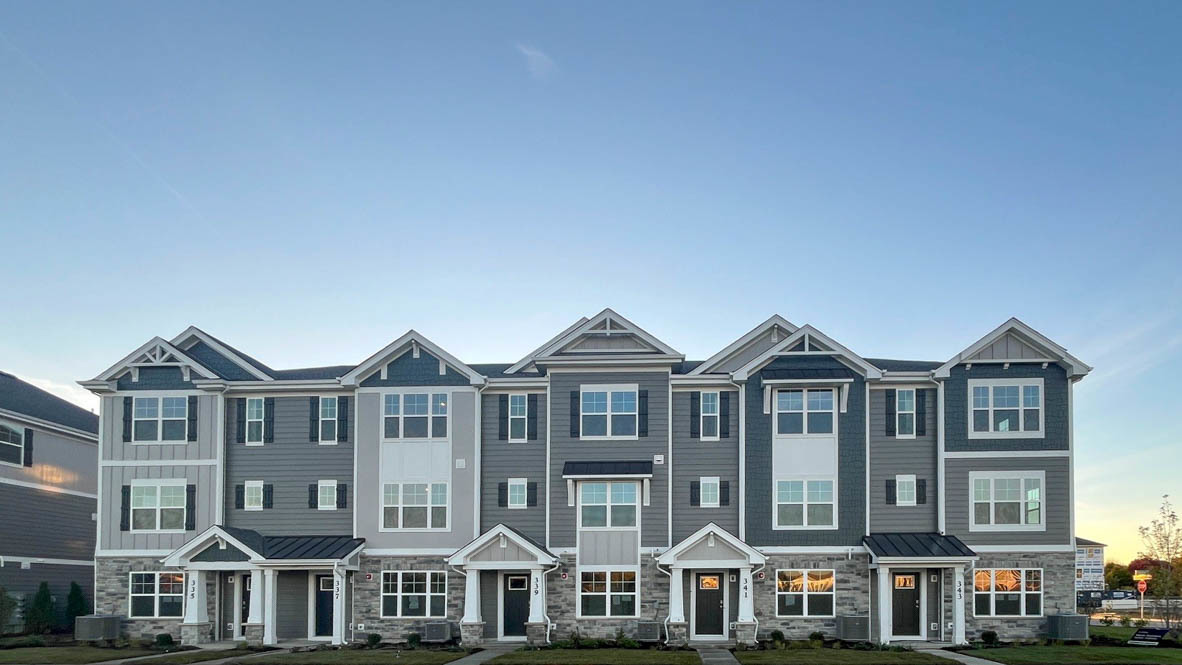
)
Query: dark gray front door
[
  {"x": 324, "y": 606},
  {"x": 515, "y": 612},
  {"x": 905, "y": 604},
  {"x": 708, "y": 605}
]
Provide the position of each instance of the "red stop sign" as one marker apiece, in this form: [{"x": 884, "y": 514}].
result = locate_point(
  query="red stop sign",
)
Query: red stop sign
[{"x": 1142, "y": 586}]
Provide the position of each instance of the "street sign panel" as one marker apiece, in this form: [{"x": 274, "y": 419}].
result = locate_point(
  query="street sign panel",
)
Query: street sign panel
[{"x": 1142, "y": 586}]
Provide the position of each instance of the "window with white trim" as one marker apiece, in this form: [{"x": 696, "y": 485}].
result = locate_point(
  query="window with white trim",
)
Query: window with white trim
[
  {"x": 253, "y": 495},
  {"x": 905, "y": 413},
  {"x": 159, "y": 419},
  {"x": 608, "y": 412},
  {"x": 1007, "y": 592},
  {"x": 709, "y": 492},
  {"x": 12, "y": 443},
  {"x": 414, "y": 594},
  {"x": 607, "y": 504},
  {"x": 156, "y": 595},
  {"x": 1005, "y": 408},
  {"x": 518, "y": 493},
  {"x": 604, "y": 593},
  {"x": 709, "y": 416},
  {"x": 254, "y": 420},
  {"x": 804, "y": 411},
  {"x": 414, "y": 415},
  {"x": 518, "y": 414},
  {"x": 1007, "y": 500},
  {"x": 414, "y": 506},
  {"x": 328, "y": 420},
  {"x": 905, "y": 490},
  {"x": 326, "y": 494},
  {"x": 158, "y": 506},
  {"x": 805, "y": 593},
  {"x": 805, "y": 504}
]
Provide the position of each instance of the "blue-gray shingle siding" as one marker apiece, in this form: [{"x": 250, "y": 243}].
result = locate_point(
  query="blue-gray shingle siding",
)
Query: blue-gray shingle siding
[
  {"x": 406, "y": 370},
  {"x": 155, "y": 378},
  {"x": 1055, "y": 413}
]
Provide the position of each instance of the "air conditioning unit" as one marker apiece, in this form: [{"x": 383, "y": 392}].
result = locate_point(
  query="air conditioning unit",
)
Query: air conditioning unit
[
  {"x": 1067, "y": 626},
  {"x": 437, "y": 631},
  {"x": 853, "y": 629},
  {"x": 648, "y": 631},
  {"x": 94, "y": 627}
]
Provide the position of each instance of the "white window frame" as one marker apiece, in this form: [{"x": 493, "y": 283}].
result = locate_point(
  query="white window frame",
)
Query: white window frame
[
  {"x": 398, "y": 594},
  {"x": 320, "y": 486},
  {"x": 435, "y": 411},
  {"x": 155, "y": 594},
  {"x": 261, "y": 420},
  {"x": 899, "y": 481},
  {"x": 899, "y": 413},
  {"x": 174, "y": 482},
  {"x": 523, "y": 418},
  {"x": 522, "y": 483},
  {"x": 159, "y": 419},
  {"x": 1021, "y": 432},
  {"x": 804, "y": 412},
  {"x": 609, "y": 413},
  {"x": 432, "y": 490},
  {"x": 702, "y": 484},
  {"x": 776, "y": 526},
  {"x": 20, "y": 433},
  {"x": 607, "y": 593},
  {"x": 336, "y": 414},
  {"x": 253, "y": 485},
  {"x": 1022, "y": 476},
  {"x": 1022, "y": 593},
  {"x": 637, "y": 485},
  {"x": 805, "y": 592},
  {"x": 717, "y": 415}
]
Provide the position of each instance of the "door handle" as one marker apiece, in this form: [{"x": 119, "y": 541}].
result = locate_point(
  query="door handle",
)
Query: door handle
[{"x": 720, "y": 604}]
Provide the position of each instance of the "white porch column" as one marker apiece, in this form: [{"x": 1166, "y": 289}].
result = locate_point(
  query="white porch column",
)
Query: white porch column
[
  {"x": 958, "y": 600},
  {"x": 537, "y": 596},
  {"x": 255, "y": 616},
  {"x": 196, "y": 610},
  {"x": 270, "y": 607},
  {"x": 338, "y": 606},
  {"x": 885, "y": 627},
  {"x": 746, "y": 597},
  {"x": 471, "y": 596},
  {"x": 676, "y": 606}
]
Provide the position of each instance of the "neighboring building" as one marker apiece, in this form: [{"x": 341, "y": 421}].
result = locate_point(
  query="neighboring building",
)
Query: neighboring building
[
  {"x": 601, "y": 483},
  {"x": 1089, "y": 565},
  {"x": 48, "y": 467}
]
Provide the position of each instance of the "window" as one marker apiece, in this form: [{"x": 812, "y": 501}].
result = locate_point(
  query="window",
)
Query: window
[
  {"x": 253, "y": 495},
  {"x": 517, "y": 582},
  {"x": 414, "y": 506},
  {"x": 254, "y": 420},
  {"x": 804, "y": 504},
  {"x": 608, "y": 412},
  {"x": 158, "y": 507},
  {"x": 518, "y": 411},
  {"x": 12, "y": 443},
  {"x": 160, "y": 419},
  {"x": 804, "y": 411},
  {"x": 1007, "y": 501},
  {"x": 709, "y": 425},
  {"x": 1005, "y": 408},
  {"x": 1014, "y": 592},
  {"x": 415, "y": 416},
  {"x": 709, "y": 489},
  {"x": 328, "y": 420},
  {"x": 414, "y": 594},
  {"x": 157, "y": 595},
  {"x": 604, "y": 504},
  {"x": 518, "y": 497},
  {"x": 804, "y": 593},
  {"x": 326, "y": 494},
  {"x": 605, "y": 593},
  {"x": 905, "y": 414},
  {"x": 905, "y": 490}
]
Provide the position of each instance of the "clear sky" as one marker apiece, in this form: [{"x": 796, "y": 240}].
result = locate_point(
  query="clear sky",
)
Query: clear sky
[{"x": 308, "y": 181}]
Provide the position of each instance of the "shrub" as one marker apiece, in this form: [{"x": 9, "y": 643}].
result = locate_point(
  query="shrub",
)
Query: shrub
[
  {"x": 1141, "y": 623},
  {"x": 39, "y": 614},
  {"x": 625, "y": 642},
  {"x": 777, "y": 636},
  {"x": 1106, "y": 621},
  {"x": 413, "y": 640},
  {"x": 1125, "y": 621},
  {"x": 165, "y": 641},
  {"x": 7, "y": 608},
  {"x": 373, "y": 640},
  {"x": 75, "y": 604},
  {"x": 24, "y": 642},
  {"x": 816, "y": 636},
  {"x": 989, "y": 637}
]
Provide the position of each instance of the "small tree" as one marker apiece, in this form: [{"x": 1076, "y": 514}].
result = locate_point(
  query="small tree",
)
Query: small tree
[
  {"x": 1117, "y": 576},
  {"x": 1163, "y": 544},
  {"x": 75, "y": 604},
  {"x": 7, "y": 609},
  {"x": 39, "y": 615}
]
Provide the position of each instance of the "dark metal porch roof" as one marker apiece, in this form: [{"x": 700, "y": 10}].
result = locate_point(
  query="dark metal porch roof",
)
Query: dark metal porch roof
[{"x": 916, "y": 545}]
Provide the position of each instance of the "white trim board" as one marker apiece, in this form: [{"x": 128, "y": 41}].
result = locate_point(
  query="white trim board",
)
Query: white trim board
[
  {"x": 47, "y": 488},
  {"x": 45, "y": 561},
  {"x": 976, "y": 454}
]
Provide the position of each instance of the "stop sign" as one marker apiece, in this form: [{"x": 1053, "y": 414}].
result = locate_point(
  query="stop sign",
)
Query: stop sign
[{"x": 1142, "y": 586}]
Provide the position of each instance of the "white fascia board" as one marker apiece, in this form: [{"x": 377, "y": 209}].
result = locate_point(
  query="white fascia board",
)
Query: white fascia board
[
  {"x": 499, "y": 531},
  {"x": 734, "y": 347},
  {"x": 503, "y": 385},
  {"x": 616, "y": 359},
  {"x": 207, "y": 537},
  {"x": 1074, "y": 366},
  {"x": 374, "y": 362},
  {"x": 310, "y": 386},
  {"x": 572, "y": 333},
  {"x": 524, "y": 362},
  {"x": 88, "y": 437},
  {"x": 118, "y": 368},
  {"x": 923, "y": 562},
  {"x": 194, "y": 331},
  {"x": 841, "y": 352},
  {"x": 754, "y": 556}
]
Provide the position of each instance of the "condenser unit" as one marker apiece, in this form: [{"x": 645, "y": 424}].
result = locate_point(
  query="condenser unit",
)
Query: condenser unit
[
  {"x": 437, "y": 631},
  {"x": 648, "y": 631}
]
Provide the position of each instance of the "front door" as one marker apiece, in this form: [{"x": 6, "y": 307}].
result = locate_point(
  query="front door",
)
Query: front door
[
  {"x": 905, "y": 604},
  {"x": 515, "y": 605},
  {"x": 709, "y": 605},
  {"x": 324, "y": 606}
]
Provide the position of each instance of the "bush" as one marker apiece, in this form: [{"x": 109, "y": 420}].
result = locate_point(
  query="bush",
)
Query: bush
[
  {"x": 625, "y": 642},
  {"x": 1141, "y": 623},
  {"x": 777, "y": 636},
  {"x": 39, "y": 614},
  {"x": 1106, "y": 621},
  {"x": 373, "y": 640},
  {"x": 816, "y": 636},
  {"x": 24, "y": 642},
  {"x": 165, "y": 641},
  {"x": 1125, "y": 621},
  {"x": 413, "y": 640},
  {"x": 7, "y": 608},
  {"x": 75, "y": 604},
  {"x": 989, "y": 637}
]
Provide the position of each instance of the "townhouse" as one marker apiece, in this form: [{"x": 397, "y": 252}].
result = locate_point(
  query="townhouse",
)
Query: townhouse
[{"x": 601, "y": 483}]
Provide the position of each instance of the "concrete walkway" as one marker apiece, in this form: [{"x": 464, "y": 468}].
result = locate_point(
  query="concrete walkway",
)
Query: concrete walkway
[
  {"x": 958, "y": 656},
  {"x": 487, "y": 654},
  {"x": 717, "y": 656}
]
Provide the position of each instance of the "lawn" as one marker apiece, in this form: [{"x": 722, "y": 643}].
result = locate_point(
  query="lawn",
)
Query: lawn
[
  {"x": 68, "y": 655},
  {"x": 1112, "y": 632},
  {"x": 1074, "y": 654},
  {"x": 837, "y": 657},
  {"x": 598, "y": 657},
  {"x": 359, "y": 657},
  {"x": 199, "y": 655}
]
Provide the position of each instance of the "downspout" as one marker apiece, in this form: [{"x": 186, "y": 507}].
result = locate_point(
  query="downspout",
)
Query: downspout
[
  {"x": 753, "y": 615},
  {"x": 545, "y": 614},
  {"x": 670, "y": 575}
]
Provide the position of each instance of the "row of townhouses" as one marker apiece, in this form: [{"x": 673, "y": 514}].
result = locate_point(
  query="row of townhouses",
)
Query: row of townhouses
[{"x": 602, "y": 483}]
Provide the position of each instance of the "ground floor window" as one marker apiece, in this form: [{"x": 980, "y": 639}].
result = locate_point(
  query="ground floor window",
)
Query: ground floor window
[
  {"x": 1001, "y": 592},
  {"x": 157, "y": 595},
  {"x": 804, "y": 593},
  {"x": 414, "y": 594},
  {"x": 607, "y": 593}
]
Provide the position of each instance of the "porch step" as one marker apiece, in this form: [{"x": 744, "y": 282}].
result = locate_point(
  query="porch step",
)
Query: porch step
[{"x": 715, "y": 656}]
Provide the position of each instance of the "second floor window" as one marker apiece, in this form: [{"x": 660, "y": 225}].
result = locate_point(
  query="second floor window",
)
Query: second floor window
[
  {"x": 414, "y": 416},
  {"x": 518, "y": 493},
  {"x": 328, "y": 420},
  {"x": 905, "y": 413},
  {"x": 604, "y": 504},
  {"x": 12, "y": 443},
  {"x": 158, "y": 507},
  {"x": 254, "y": 420},
  {"x": 905, "y": 490},
  {"x": 804, "y": 411},
  {"x": 253, "y": 495},
  {"x": 804, "y": 504},
  {"x": 709, "y": 416},
  {"x": 1009, "y": 408},
  {"x": 608, "y": 412},
  {"x": 326, "y": 495},
  {"x": 414, "y": 506},
  {"x": 1006, "y": 501},
  {"x": 709, "y": 490},
  {"x": 160, "y": 419},
  {"x": 518, "y": 413}
]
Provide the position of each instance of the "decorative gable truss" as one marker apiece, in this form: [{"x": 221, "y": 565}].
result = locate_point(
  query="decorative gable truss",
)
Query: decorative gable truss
[
  {"x": 755, "y": 342},
  {"x": 413, "y": 343},
  {"x": 1015, "y": 342},
  {"x": 606, "y": 338},
  {"x": 157, "y": 352}
]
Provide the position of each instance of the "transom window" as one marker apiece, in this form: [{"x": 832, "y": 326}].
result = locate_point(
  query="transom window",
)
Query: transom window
[
  {"x": 1006, "y": 408},
  {"x": 160, "y": 419},
  {"x": 518, "y": 493},
  {"x": 709, "y": 492},
  {"x": 158, "y": 507},
  {"x": 608, "y": 412},
  {"x": 415, "y": 416},
  {"x": 905, "y": 413},
  {"x": 253, "y": 495},
  {"x": 804, "y": 593},
  {"x": 604, "y": 504},
  {"x": 326, "y": 494},
  {"x": 157, "y": 595},
  {"x": 414, "y": 594},
  {"x": 328, "y": 420},
  {"x": 12, "y": 443},
  {"x": 414, "y": 506},
  {"x": 804, "y": 504},
  {"x": 1007, "y": 501},
  {"x": 254, "y": 420},
  {"x": 804, "y": 411},
  {"x": 518, "y": 412},
  {"x": 709, "y": 406},
  {"x": 905, "y": 490},
  {"x": 607, "y": 593},
  {"x": 999, "y": 592}
]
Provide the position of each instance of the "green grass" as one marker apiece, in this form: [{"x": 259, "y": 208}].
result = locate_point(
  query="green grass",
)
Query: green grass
[
  {"x": 68, "y": 655},
  {"x": 598, "y": 657},
  {"x": 837, "y": 657},
  {"x": 199, "y": 655},
  {"x": 1076, "y": 654},
  {"x": 1112, "y": 632},
  {"x": 359, "y": 657}
]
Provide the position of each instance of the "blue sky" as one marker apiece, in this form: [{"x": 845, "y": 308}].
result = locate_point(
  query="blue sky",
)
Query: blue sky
[{"x": 307, "y": 181}]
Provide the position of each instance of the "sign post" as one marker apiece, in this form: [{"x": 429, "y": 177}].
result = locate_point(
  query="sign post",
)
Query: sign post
[{"x": 1141, "y": 587}]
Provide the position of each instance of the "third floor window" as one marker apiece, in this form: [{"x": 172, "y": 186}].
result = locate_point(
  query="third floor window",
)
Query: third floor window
[
  {"x": 414, "y": 415},
  {"x": 804, "y": 412}
]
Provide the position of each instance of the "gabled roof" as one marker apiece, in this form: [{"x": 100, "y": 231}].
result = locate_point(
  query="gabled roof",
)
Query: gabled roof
[
  {"x": 155, "y": 351},
  {"x": 400, "y": 346},
  {"x": 808, "y": 337},
  {"x": 671, "y": 555},
  {"x": 260, "y": 548},
  {"x": 26, "y": 399},
  {"x": 540, "y": 553},
  {"x": 193, "y": 334},
  {"x": 603, "y": 326},
  {"x": 1024, "y": 335},
  {"x": 775, "y": 322}
]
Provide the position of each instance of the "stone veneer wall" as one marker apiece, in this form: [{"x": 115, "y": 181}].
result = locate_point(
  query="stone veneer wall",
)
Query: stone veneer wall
[
  {"x": 367, "y": 596},
  {"x": 112, "y": 595},
  {"x": 562, "y": 599},
  {"x": 851, "y": 590},
  {"x": 1058, "y": 593}
]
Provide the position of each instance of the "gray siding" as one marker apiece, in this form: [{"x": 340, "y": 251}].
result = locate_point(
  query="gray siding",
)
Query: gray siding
[
  {"x": 654, "y": 517},
  {"x": 115, "y": 448},
  {"x": 890, "y": 456},
  {"x": 204, "y": 476},
  {"x": 489, "y": 581},
  {"x": 27, "y": 514},
  {"x": 1055, "y": 417},
  {"x": 58, "y": 461},
  {"x": 292, "y": 600},
  {"x": 290, "y": 464},
  {"x": 694, "y": 459},
  {"x": 20, "y": 582},
  {"x": 1056, "y": 500},
  {"x": 501, "y": 460}
]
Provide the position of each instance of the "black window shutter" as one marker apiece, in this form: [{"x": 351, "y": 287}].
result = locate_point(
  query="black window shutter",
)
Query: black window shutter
[
  {"x": 531, "y": 418},
  {"x": 343, "y": 419},
  {"x": 890, "y": 414},
  {"x": 724, "y": 415},
  {"x": 190, "y": 507},
  {"x": 268, "y": 496},
  {"x": 921, "y": 491},
  {"x": 314, "y": 420},
  {"x": 312, "y": 495},
  {"x": 125, "y": 509},
  {"x": 240, "y": 424},
  {"x": 724, "y": 493},
  {"x": 890, "y": 493},
  {"x": 921, "y": 413},
  {"x": 126, "y": 419},
  {"x": 574, "y": 414},
  {"x": 695, "y": 493},
  {"x": 28, "y": 459},
  {"x": 342, "y": 495},
  {"x": 502, "y": 417},
  {"x": 192, "y": 417},
  {"x": 695, "y": 415},
  {"x": 502, "y": 494},
  {"x": 269, "y": 420},
  {"x": 531, "y": 494},
  {"x": 642, "y": 413},
  {"x": 240, "y": 496}
]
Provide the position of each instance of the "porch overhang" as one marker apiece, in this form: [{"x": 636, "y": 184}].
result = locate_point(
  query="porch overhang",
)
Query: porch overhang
[
  {"x": 223, "y": 547},
  {"x": 917, "y": 549},
  {"x": 526, "y": 553},
  {"x": 709, "y": 538}
]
